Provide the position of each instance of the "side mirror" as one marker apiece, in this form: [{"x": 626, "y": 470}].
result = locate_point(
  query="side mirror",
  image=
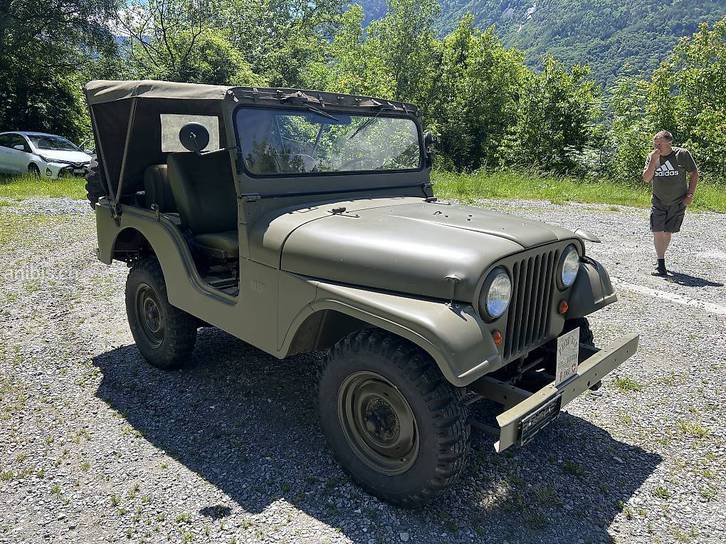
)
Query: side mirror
[
  {"x": 19, "y": 147},
  {"x": 194, "y": 137},
  {"x": 429, "y": 142}
]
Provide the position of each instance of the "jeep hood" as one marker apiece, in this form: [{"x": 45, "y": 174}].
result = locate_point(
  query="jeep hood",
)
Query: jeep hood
[{"x": 410, "y": 247}]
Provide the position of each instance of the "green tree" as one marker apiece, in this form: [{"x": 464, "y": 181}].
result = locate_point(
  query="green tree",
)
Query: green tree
[
  {"x": 48, "y": 48},
  {"x": 556, "y": 119},
  {"x": 631, "y": 133},
  {"x": 405, "y": 41},
  {"x": 691, "y": 87},
  {"x": 476, "y": 101},
  {"x": 351, "y": 63},
  {"x": 685, "y": 95},
  {"x": 174, "y": 40},
  {"x": 279, "y": 38}
]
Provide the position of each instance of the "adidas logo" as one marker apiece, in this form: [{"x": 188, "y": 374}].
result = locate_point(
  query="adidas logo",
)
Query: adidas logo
[{"x": 666, "y": 170}]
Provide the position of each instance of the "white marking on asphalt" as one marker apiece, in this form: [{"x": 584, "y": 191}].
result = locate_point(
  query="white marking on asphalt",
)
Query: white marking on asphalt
[{"x": 671, "y": 297}]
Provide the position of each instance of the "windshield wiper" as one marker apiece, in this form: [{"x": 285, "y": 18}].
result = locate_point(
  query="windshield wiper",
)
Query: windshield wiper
[
  {"x": 366, "y": 123},
  {"x": 321, "y": 113}
]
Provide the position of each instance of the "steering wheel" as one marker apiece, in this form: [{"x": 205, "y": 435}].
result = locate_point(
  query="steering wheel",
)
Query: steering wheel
[
  {"x": 354, "y": 160},
  {"x": 309, "y": 162}
]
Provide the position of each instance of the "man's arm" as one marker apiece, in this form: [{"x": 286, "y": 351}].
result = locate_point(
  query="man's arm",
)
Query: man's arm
[
  {"x": 693, "y": 177},
  {"x": 650, "y": 165}
]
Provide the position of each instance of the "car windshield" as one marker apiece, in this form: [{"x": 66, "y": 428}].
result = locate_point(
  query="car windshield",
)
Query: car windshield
[
  {"x": 292, "y": 141},
  {"x": 55, "y": 143}
]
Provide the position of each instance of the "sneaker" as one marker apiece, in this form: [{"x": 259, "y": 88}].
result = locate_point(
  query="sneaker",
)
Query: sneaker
[{"x": 659, "y": 271}]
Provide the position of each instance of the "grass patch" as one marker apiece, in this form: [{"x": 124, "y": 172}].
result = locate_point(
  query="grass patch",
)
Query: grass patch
[
  {"x": 662, "y": 493},
  {"x": 693, "y": 429},
  {"x": 627, "y": 384},
  {"x": 520, "y": 185},
  {"x": 21, "y": 187}
]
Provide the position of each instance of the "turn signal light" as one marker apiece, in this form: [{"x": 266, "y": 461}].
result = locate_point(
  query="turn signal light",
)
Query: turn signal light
[
  {"x": 563, "y": 307},
  {"x": 498, "y": 338}
]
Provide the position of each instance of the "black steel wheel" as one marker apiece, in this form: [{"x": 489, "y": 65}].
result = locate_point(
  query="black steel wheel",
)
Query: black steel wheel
[
  {"x": 164, "y": 334},
  {"x": 378, "y": 422},
  {"x": 391, "y": 419}
]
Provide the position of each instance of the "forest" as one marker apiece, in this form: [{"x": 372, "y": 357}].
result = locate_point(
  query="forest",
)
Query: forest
[{"x": 490, "y": 106}]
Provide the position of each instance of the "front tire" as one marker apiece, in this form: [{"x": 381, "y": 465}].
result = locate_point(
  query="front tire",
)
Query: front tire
[
  {"x": 33, "y": 170},
  {"x": 393, "y": 422},
  {"x": 164, "y": 334}
]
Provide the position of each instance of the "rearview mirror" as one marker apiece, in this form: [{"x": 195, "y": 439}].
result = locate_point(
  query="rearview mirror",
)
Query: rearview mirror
[{"x": 194, "y": 137}]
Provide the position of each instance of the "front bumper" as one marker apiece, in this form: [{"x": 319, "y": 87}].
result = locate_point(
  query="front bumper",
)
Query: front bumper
[
  {"x": 532, "y": 412},
  {"x": 55, "y": 170}
]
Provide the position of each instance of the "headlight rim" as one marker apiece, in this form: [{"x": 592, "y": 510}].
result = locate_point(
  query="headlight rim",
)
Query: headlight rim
[
  {"x": 571, "y": 248},
  {"x": 484, "y": 292}
]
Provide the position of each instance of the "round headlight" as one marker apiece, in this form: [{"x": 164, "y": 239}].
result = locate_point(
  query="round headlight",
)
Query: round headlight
[
  {"x": 497, "y": 293},
  {"x": 570, "y": 266}
]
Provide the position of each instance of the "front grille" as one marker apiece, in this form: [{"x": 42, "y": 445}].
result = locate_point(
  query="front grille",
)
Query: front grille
[{"x": 529, "y": 309}]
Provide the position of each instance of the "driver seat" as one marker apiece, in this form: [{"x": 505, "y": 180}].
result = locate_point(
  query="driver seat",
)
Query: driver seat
[{"x": 203, "y": 190}]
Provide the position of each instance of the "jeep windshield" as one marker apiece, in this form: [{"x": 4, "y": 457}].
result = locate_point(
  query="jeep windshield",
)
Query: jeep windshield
[{"x": 278, "y": 141}]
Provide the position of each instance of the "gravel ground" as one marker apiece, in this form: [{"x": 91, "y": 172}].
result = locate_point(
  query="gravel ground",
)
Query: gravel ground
[{"x": 96, "y": 446}]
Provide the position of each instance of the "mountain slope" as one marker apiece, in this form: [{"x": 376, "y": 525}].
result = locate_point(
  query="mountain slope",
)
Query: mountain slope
[{"x": 616, "y": 37}]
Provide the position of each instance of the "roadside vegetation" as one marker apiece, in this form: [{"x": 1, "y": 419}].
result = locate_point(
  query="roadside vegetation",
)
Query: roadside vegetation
[
  {"x": 21, "y": 187},
  {"x": 466, "y": 188},
  {"x": 469, "y": 188}
]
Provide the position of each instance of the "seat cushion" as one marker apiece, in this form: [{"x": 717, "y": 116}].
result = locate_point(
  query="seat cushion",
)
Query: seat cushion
[
  {"x": 219, "y": 245},
  {"x": 157, "y": 189},
  {"x": 203, "y": 190}
]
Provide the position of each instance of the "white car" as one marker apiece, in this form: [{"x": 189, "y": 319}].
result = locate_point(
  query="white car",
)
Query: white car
[{"x": 41, "y": 154}]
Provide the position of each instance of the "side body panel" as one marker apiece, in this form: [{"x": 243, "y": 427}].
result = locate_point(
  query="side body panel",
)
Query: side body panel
[{"x": 252, "y": 316}]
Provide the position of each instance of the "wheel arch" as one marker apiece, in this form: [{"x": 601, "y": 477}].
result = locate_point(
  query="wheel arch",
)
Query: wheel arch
[
  {"x": 453, "y": 338},
  {"x": 130, "y": 244}
]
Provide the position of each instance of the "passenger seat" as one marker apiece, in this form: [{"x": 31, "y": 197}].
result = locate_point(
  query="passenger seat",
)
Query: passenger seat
[
  {"x": 203, "y": 191},
  {"x": 157, "y": 190}
]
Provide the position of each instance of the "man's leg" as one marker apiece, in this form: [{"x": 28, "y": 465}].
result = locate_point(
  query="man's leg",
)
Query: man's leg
[{"x": 661, "y": 240}]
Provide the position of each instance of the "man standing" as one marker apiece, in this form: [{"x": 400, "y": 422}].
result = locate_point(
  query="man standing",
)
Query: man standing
[{"x": 667, "y": 167}]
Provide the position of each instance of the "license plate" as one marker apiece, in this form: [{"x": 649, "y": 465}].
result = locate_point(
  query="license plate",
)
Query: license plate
[
  {"x": 536, "y": 421},
  {"x": 568, "y": 349},
  {"x": 79, "y": 171}
]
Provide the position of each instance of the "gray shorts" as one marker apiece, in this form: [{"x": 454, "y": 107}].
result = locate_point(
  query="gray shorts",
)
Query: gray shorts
[{"x": 667, "y": 218}]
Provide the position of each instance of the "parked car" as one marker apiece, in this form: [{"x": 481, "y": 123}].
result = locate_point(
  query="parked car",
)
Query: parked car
[
  {"x": 302, "y": 221},
  {"x": 41, "y": 154}
]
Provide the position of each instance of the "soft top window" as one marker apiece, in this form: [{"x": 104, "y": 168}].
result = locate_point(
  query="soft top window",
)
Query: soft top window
[
  {"x": 171, "y": 124},
  {"x": 292, "y": 141}
]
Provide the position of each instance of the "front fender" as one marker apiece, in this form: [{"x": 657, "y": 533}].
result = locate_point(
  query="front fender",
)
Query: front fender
[
  {"x": 592, "y": 290},
  {"x": 454, "y": 335}
]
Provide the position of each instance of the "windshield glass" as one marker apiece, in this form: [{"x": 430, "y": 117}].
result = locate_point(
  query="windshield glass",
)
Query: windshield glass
[
  {"x": 53, "y": 142},
  {"x": 286, "y": 141}
]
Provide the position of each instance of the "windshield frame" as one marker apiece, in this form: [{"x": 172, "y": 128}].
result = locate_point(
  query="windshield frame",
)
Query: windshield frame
[{"x": 332, "y": 111}]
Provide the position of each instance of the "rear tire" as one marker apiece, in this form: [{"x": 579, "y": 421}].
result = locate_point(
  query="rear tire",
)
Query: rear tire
[
  {"x": 164, "y": 334},
  {"x": 95, "y": 188},
  {"x": 33, "y": 170},
  {"x": 393, "y": 422}
]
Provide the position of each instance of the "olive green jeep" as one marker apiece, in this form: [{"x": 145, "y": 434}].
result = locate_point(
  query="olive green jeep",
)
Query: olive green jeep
[{"x": 303, "y": 221}]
